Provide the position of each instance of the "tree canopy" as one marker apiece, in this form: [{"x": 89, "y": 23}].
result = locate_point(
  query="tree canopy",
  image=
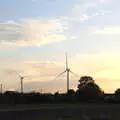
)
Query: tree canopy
[{"x": 88, "y": 89}]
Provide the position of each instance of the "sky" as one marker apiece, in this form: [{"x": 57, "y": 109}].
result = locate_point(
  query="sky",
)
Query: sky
[{"x": 35, "y": 34}]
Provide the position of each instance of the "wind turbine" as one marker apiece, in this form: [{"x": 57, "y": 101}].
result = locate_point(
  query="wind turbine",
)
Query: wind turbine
[
  {"x": 21, "y": 82},
  {"x": 68, "y": 71},
  {"x": 21, "y": 78}
]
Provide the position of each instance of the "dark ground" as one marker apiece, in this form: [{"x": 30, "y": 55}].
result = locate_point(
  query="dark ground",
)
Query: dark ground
[{"x": 61, "y": 112}]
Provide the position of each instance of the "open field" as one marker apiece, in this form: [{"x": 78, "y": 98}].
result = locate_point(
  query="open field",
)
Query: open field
[{"x": 61, "y": 112}]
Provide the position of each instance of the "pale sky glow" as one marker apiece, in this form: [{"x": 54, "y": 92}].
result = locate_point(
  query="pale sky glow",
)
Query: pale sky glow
[{"x": 35, "y": 34}]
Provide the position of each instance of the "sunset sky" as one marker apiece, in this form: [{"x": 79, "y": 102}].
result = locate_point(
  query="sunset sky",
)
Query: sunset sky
[{"x": 35, "y": 34}]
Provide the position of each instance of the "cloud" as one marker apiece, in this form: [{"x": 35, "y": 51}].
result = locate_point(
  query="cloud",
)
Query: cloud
[
  {"x": 82, "y": 7},
  {"x": 44, "y": 68},
  {"x": 10, "y": 31},
  {"x": 32, "y": 32},
  {"x": 103, "y": 1},
  {"x": 111, "y": 30},
  {"x": 35, "y": 70},
  {"x": 81, "y": 11},
  {"x": 36, "y": 32}
]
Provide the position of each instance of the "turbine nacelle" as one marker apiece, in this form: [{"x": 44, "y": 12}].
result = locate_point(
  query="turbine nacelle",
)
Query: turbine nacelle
[
  {"x": 68, "y": 69},
  {"x": 22, "y": 78}
]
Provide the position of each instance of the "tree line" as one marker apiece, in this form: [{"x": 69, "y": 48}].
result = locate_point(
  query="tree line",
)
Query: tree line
[{"x": 87, "y": 91}]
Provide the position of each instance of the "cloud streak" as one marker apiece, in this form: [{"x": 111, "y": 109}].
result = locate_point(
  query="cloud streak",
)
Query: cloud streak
[
  {"x": 37, "y": 32},
  {"x": 80, "y": 11},
  {"x": 110, "y": 30},
  {"x": 32, "y": 32}
]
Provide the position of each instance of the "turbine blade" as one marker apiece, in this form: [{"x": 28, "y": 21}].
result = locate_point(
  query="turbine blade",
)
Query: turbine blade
[
  {"x": 27, "y": 76},
  {"x": 18, "y": 74},
  {"x": 10, "y": 71},
  {"x": 61, "y": 74},
  {"x": 74, "y": 73},
  {"x": 66, "y": 61}
]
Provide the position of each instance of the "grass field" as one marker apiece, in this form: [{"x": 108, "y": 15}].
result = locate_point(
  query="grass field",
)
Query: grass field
[{"x": 61, "y": 112}]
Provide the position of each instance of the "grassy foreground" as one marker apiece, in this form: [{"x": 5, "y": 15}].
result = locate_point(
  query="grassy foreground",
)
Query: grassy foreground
[{"x": 61, "y": 112}]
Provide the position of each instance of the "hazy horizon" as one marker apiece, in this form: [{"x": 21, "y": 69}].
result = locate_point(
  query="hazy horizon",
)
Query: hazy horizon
[{"x": 35, "y": 34}]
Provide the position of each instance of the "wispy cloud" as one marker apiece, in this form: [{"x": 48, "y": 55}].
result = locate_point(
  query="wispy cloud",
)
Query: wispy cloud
[
  {"x": 103, "y": 1},
  {"x": 45, "y": 31},
  {"x": 32, "y": 32},
  {"x": 80, "y": 11},
  {"x": 110, "y": 30}
]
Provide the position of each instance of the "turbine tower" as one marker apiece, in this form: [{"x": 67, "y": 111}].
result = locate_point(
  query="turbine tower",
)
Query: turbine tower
[
  {"x": 67, "y": 71},
  {"x": 1, "y": 88},
  {"x": 21, "y": 80}
]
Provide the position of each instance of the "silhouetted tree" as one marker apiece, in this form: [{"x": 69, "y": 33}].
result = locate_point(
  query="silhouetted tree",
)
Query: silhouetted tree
[
  {"x": 84, "y": 80},
  {"x": 71, "y": 93},
  {"x": 88, "y": 89},
  {"x": 117, "y": 92},
  {"x": 117, "y": 95}
]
